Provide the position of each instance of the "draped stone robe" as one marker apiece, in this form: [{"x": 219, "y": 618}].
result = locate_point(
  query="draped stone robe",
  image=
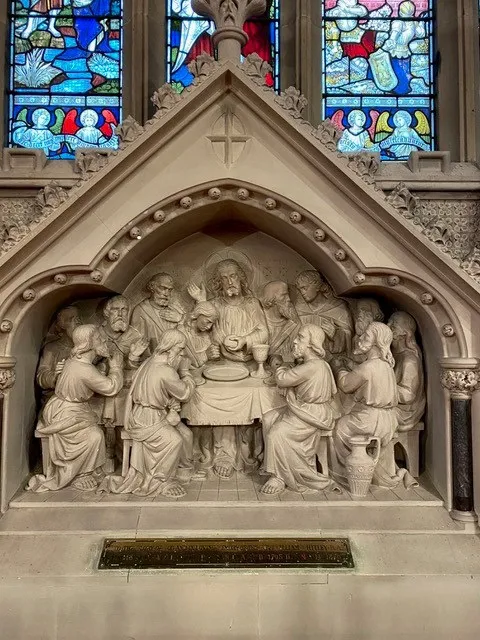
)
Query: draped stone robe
[
  {"x": 162, "y": 445},
  {"x": 292, "y": 439},
  {"x": 147, "y": 321},
  {"x": 75, "y": 441},
  {"x": 411, "y": 390},
  {"x": 374, "y": 389},
  {"x": 333, "y": 316}
]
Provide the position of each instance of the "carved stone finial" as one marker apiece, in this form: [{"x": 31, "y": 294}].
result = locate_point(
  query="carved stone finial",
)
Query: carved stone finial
[
  {"x": 327, "y": 134},
  {"x": 293, "y": 101},
  {"x": 202, "y": 67},
  {"x": 53, "y": 195},
  {"x": 405, "y": 202},
  {"x": 90, "y": 161},
  {"x": 365, "y": 165},
  {"x": 164, "y": 99},
  {"x": 256, "y": 68},
  {"x": 229, "y": 17},
  {"x": 128, "y": 131}
]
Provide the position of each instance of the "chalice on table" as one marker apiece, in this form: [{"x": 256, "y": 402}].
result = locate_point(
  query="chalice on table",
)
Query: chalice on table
[{"x": 260, "y": 355}]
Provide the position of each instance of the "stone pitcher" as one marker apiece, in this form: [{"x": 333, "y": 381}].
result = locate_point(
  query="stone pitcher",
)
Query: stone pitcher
[{"x": 360, "y": 465}]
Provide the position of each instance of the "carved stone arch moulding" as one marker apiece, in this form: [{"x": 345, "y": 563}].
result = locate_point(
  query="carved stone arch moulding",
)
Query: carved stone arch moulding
[{"x": 351, "y": 275}]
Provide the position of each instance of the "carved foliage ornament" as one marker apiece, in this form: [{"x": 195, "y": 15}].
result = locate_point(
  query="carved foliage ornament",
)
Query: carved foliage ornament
[
  {"x": 256, "y": 68},
  {"x": 365, "y": 165},
  {"x": 90, "y": 161},
  {"x": 229, "y": 13},
  {"x": 7, "y": 379},
  {"x": 164, "y": 98},
  {"x": 128, "y": 130},
  {"x": 461, "y": 382},
  {"x": 405, "y": 202},
  {"x": 327, "y": 134},
  {"x": 17, "y": 217},
  {"x": 293, "y": 101},
  {"x": 52, "y": 196},
  {"x": 202, "y": 67}
]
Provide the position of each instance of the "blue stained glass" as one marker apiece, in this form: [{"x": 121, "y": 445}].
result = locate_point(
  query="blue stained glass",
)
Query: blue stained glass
[
  {"x": 378, "y": 75},
  {"x": 189, "y": 35},
  {"x": 65, "y": 80}
]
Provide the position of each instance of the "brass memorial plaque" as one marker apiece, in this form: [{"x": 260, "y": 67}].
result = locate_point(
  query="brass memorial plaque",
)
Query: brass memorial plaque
[{"x": 221, "y": 553}]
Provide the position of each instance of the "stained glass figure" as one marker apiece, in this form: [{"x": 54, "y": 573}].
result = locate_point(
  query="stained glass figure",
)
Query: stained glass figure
[
  {"x": 65, "y": 82},
  {"x": 189, "y": 35},
  {"x": 378, "y": 76}
]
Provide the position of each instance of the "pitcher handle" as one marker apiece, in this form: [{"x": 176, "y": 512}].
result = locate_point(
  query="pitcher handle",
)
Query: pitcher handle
[{"x": 377, "y": 454}]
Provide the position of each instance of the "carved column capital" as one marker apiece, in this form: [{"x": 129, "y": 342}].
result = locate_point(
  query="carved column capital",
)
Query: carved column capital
[
  {"x": 461, "y": 376},
  {"x": 7, "y": 373},
  {"x": 229, "y": 17}
]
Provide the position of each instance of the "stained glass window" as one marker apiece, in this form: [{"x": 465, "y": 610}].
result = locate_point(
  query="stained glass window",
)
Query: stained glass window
[
  {"x": 65, "y": 81},
  {"x": 188, "y": 35},
  {"x": 378, "y": 75}
]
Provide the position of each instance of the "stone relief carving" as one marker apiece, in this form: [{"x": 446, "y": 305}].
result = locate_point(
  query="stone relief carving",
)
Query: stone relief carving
[
  {"x": 461, "y": 382},
  {"x": 51, "y": 196},
  {"x": 327, "y": 134},
  {"x": 404, "y": 201},
  {"x": 202, "y": 67},
  {"x": 7, "y": 379},
  {"x": 214, "y": 376},
  {"x": 366, "y": 165},
  {"x": 17, "y": 218},
  {"x": 89, "y": 161},
  {"x": 228, "y": 13},
  {"x": 164, "y": 99}
]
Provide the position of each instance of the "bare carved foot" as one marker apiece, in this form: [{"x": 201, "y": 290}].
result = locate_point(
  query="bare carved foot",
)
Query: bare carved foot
[
  {"x": 273, "y": 486},
  {"x": 200, "y": 474},
  {"x": 223, "y": 470},
  {"x": 85, "y": 483},
  {"x": 173, "y": 490}
]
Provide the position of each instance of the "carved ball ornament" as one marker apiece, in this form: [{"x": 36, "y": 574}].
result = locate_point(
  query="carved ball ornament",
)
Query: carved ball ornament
[
  {"x": 135, "y": 233},
  {"x": 448, "y": 330},
  {"x": 427, "y": 298},
  {"x": 159, "y": 215},
  {"x": 113, "y": 255},
  {"x": 60, "y": 278},
  {"x": 243, "y": 194},
  {"x": 6, "y": 326},
  {"x": 96, "y": 275},
  {"x": 186, "y": 202},
  {"x": 295, "y": 217},
  {"x": 270, "y": 204},
  {"x": 214, "y": 193},
  {"x": 359, "y": 278},
  {"x": 340, "y": 255},
  {"x": 319, "y": 235},
  {"x": 28, "y": 295},
  {"x": 393, "y": 281}
]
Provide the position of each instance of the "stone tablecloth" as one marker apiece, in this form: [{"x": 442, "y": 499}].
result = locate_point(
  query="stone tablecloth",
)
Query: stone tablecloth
[{"x": 235, "y": 403}]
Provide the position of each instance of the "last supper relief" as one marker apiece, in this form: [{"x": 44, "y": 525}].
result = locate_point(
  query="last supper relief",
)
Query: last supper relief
[{"x": 229, "y": 355}]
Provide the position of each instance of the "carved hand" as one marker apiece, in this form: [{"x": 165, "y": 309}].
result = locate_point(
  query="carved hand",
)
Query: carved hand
[
  {"x": 234, "y": 343},
  {"x": 198, "y": 293},
  {"x": 116, "y": 360},
  {"x": 170, "y": 315},
  {"x": 213, "y": 352},
  {"x": 59, "y": 368},
  {"x": 138, "y": 347}
]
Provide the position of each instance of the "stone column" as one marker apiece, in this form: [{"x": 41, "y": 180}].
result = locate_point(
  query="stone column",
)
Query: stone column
[
  {"x": 461, "y": 377},
  {"x": 7, "y": 380},
  {"x": 229, "y": 17}
]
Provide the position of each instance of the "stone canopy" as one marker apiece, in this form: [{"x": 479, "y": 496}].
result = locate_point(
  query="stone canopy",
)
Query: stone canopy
[{"x": 229, "y": 149}]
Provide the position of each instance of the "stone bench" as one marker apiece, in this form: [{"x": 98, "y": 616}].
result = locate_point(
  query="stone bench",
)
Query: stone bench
[
  {"x": 410, "y": 443},
  {"x": 46, "y": 459}
]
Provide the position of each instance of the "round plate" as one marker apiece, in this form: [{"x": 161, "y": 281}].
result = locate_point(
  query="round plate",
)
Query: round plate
[{"x": 229, "y": 372}]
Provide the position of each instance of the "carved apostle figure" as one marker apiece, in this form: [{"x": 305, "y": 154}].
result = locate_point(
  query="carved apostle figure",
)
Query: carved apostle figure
[
  {"x": 366, "y": 310},
  {"x": 374, "y": 389},
  {"x": 198, "y": 331},
  {"x": 291, "y": 441},
  {"x": 241, "y": 324},
  {"x": 318, "y": 305},
  {"x": 408, "y": 370},
  {"x": 75, "y": 441},
  {"x": 57, "y": 349},
  {"x": 157, "y": 313},
  {"x": 282, "y": 318},
  {"x": 162, "y": 448}
]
